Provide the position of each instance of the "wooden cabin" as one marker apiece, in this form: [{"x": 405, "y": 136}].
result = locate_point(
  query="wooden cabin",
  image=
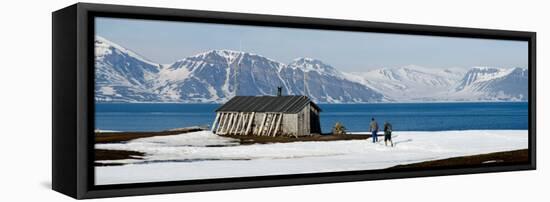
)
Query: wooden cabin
[{"x": 268, "y": 116}]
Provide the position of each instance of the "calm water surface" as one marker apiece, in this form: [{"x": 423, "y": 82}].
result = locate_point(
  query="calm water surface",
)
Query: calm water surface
[{"x": 355, "y": 117}]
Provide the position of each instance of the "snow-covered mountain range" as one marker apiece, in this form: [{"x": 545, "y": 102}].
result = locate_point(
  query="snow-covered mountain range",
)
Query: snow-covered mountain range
[
  {"x": 493, "y": 84},
  {"x": 418, "y": 84},
  {"x": 217, "y": 75}
]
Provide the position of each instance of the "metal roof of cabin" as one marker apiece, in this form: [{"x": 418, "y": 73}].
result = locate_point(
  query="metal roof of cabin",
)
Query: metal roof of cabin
[{"x": 285, "y": 104}]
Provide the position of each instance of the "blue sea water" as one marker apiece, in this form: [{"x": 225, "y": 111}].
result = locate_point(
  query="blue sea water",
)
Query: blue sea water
[{"x": 355, "y": 117}]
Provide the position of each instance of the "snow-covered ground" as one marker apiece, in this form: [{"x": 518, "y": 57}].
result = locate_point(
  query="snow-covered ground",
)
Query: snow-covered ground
[{"x": 203, "y": 155}]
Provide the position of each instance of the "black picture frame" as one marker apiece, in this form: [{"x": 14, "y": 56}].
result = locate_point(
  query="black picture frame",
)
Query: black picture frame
[{"x": 73, "y": 103}]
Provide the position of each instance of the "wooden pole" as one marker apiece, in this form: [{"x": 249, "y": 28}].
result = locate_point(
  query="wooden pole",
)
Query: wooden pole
[
  {"x": 223, "y": 123},
  {"x": 238, "y": 128},
  {"x": 241, "y": 123},
  {"x": 267, "y": 124},
  {"x": 229, "y": 123},
  {"x": 263, "y": 123},
  {"x": 278, "y": 124},
  {"x": 273, "y": 118},
  {"x": 237, "y": 123},
  {"x": 219, "y": 124},
  {"x": 251, "y": 119},
  {"x": 215, "y": 122},
  {"x": 244, "y": 123},
  {"x": 230, "y": 131},
  {"x": 233, "y": 122}
]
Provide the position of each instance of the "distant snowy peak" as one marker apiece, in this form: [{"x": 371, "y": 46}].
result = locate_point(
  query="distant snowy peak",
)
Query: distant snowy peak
[
  {"x": 477, "y": 74},
  {"x": 234, "y": 58},
  {"x": 427, "y": 76},
  {"x": 105, "y": 47},
  {"x": 493, "y": 84},
  {"x": 484, "y": 74},
  {"x": 230, "y": 58},
  {"x": 217, "y": 75},
  {"x": 122, "y": 75},
  {"x": 417, "y": 84},
  {"x": 313, "y": 65},
  {"x": 409, "y": 82},
  {"x": 519, "y": 72}
]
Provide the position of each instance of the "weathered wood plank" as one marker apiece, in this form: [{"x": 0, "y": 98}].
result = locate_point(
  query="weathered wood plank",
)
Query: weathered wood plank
[
  {"x": 220, "y": 123},
  {"x": 225, "y": 122},
  {"x": 234, "y": 123},
  {"x": 244, "y": 124},
  {"x": 272, "y": 122},
  {"x": 237, "y": 123},
  {"x": 272, "y": 125},
  {"x": 215, "y": 122},
  {"x": 249, "y": 125},
  {"x": 263, "y": 123},
  {"x": 245, "y": 121},
  {"x": 278, "y": 125},
  {"x": 269, "y": 123},
  {"x": 229, "y": 123}
]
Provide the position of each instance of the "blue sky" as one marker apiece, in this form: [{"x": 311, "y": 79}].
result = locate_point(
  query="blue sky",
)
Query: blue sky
[{"x": 165, "y": 42}]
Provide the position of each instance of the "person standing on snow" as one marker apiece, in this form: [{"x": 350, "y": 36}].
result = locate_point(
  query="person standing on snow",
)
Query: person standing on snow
[
  {"x": 374, "y": 129},
  {"x": 387, "y": 133}
]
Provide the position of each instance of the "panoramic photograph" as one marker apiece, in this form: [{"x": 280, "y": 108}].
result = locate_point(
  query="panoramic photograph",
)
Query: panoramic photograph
[{"x": 179, "y": 101}]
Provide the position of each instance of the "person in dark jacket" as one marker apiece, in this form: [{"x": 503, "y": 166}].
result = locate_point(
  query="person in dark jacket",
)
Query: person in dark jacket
[
  {"x": 387, "y": 133},
  {"x": 374, "y": 129}
]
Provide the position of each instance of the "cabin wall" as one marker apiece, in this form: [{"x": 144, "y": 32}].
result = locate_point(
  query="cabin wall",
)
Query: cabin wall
[
  {"x": 289, "y": 124},
  {"x": 315, "y": 121},
  {"x": 305, "y": 122},
  {"x": 257, "y": 123}
]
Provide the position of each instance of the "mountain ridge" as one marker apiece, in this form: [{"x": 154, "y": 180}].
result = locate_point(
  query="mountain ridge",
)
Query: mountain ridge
[{"x": 215, "y": 76}]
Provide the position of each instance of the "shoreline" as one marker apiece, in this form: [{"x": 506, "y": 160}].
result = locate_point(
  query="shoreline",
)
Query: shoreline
[
  {"x": 118, "y": 137},
  {"x": 123, "y": 137},
  {"x": 106, "y": 154}
]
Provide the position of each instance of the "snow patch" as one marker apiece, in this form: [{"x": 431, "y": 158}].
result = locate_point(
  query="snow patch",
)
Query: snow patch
[
  {"x": 107, "y": 90},
  {"x": 203, "y": 155}
]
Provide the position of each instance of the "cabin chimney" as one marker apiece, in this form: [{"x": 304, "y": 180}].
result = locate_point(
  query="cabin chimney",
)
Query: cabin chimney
[{"x": 279, "y": 90}]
